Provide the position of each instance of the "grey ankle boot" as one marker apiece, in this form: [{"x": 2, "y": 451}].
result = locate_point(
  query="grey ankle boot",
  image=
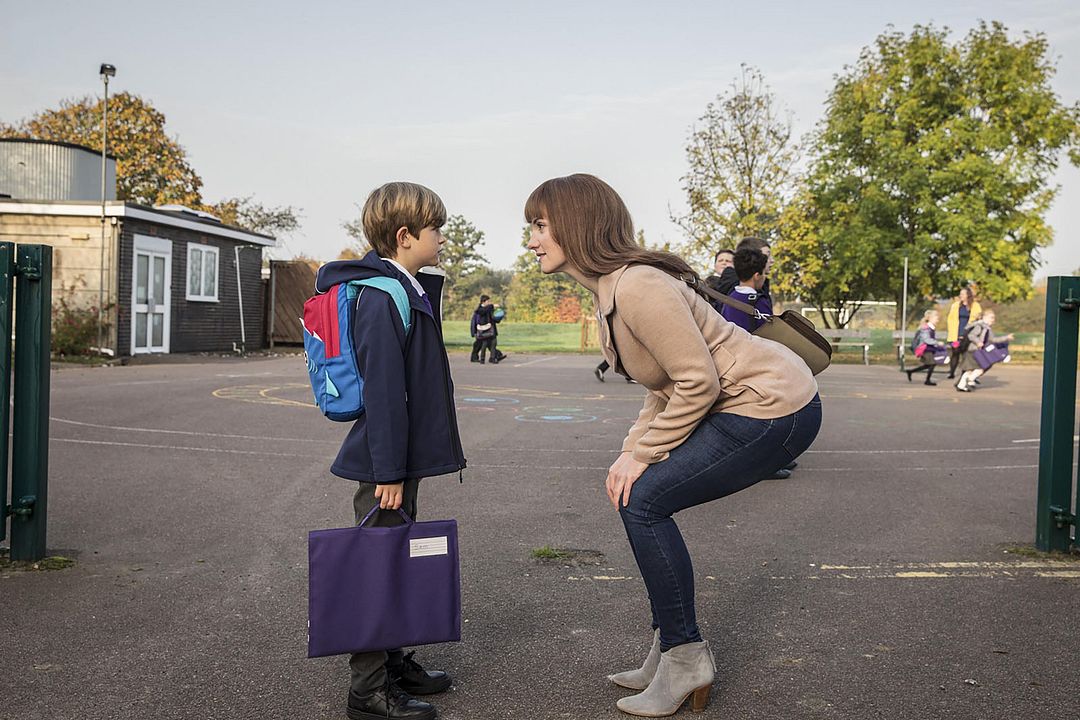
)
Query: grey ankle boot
[
  {"x": 684, "y": 671},
  {"x": 639, "y": 679}
]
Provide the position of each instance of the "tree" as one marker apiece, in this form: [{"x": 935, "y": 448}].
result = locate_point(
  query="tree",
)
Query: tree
[
  {"x": 460, "y": 258},
  {"x": 742, "y": 159},
  {"x": 246, "y": 212},
  {"x": 151, "y": 167},
  {"x": 939, "y": 152}
]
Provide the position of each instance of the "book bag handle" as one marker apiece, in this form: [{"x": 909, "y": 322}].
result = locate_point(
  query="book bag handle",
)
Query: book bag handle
[{"x": 404, "y": 515}]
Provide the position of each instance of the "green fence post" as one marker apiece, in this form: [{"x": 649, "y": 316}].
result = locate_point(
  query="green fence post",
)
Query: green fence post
[
  {"x": 30, "y": 432},
  {"x": 1054, "y": 519},
  {"x": 7, "y": 284}
]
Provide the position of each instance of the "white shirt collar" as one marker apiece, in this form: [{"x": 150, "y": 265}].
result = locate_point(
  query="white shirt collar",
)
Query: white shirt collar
[
  {"x": 745, "y": 290},
  {"x": 415, "y": 283}
]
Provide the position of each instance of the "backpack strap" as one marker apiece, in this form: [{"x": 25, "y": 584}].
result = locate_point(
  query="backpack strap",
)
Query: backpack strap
[{"x": 391, "y": 287}]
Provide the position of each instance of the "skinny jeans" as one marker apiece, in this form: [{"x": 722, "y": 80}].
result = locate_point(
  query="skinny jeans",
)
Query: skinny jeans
[{"x": 726, "y": 453}]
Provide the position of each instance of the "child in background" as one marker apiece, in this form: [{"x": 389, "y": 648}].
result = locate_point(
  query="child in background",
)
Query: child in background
[
  {"x": 750, "y": 267},
  {"x": 926, "y": 346},
  {"x": 981, "y": 337}
]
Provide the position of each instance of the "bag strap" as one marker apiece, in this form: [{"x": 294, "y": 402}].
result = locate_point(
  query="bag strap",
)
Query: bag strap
[
  {"x": 372, "y": 511},
  {"x": 394, "y": 289},
  {"x": 701, "y": 287}
]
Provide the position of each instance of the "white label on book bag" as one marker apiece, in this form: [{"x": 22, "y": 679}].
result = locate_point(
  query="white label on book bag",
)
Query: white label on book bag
[{"x": 423, "y": 547}]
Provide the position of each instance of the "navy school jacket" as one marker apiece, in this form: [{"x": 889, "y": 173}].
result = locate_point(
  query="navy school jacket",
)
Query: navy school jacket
[{"x": 409, "y": 425}]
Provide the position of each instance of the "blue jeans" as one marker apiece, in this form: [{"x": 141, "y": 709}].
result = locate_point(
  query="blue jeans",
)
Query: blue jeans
[{"x": 725, "y": 454}]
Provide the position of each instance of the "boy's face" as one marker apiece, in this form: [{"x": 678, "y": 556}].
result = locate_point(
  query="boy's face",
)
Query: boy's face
[
  {"x": 423, "y": 251},
  {"x": 767, "y": 252},
  {"x": 723, "y": 261}
]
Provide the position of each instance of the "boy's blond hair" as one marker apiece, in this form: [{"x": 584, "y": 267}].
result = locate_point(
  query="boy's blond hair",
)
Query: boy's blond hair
[{"x": 396, "y": 205}]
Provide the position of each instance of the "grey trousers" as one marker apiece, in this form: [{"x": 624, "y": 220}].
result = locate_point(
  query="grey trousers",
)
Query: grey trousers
[{"x": 369, "y": 669}]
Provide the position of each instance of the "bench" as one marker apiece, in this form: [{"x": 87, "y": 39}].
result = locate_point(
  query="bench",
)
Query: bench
[{"x": 850, "y": 338}]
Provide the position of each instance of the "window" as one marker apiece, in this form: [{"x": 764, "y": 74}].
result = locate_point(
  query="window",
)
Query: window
[{"x": 202, "y": 276}]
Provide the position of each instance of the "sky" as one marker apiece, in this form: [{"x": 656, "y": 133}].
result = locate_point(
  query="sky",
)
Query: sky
[{"x": 315, "y": 104}]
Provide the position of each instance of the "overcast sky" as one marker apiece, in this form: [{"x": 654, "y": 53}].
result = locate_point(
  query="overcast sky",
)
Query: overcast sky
[{"x": 314, "y": 104}]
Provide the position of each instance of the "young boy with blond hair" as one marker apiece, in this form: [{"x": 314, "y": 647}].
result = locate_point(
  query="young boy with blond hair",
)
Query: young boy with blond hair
[{"x": 408, "y": 430}]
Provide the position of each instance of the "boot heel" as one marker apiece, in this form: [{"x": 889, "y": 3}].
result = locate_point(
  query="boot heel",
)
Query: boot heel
[{"x": 700, "y": 698}]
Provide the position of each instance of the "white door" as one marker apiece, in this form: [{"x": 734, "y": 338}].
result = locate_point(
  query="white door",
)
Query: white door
[{"x": 151, "y": 295}]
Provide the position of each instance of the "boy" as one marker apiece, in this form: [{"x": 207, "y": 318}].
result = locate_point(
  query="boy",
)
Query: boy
[
  {"x": 408, "y": 430},
  {"x": 721, "y": 262},
  {"x": 750, "y": 267}
]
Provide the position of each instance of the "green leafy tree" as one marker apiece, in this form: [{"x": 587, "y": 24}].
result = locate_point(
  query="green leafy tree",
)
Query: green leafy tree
[
  {"x": 942, "y": 152},
  {"x": 742, "y": 159},
  {"x": 152, "y": 168},
  {"x": 460, "y": 258}
]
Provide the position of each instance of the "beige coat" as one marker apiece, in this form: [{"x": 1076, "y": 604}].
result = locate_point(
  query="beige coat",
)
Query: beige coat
[{"x": 657, "y": 330}]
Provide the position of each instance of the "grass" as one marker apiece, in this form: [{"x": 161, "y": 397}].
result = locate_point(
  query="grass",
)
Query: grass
[
  {"x": 53, "y": 562},
  {"x": 566, "y": 338},
  {"x": 549, "y": 553}
]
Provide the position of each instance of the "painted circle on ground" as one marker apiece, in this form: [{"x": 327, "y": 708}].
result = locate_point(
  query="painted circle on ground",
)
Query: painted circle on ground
[
  {"x": 555, "y": 415},
  {"x": 474, "y": 408},
  {"x": 491, "y": 400}
]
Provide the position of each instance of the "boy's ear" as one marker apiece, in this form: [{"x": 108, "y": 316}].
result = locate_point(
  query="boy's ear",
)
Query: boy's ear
[{"x": 403, "y": 236}]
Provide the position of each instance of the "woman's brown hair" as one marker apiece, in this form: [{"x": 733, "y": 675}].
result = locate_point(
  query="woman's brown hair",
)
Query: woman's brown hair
[{"x": 593, "y": 227}]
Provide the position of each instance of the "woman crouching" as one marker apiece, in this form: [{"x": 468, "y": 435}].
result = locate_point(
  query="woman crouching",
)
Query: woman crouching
[{"x": 724, "y": 410}]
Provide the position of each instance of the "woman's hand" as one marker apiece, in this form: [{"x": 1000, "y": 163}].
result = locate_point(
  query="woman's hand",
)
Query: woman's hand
[
  {"x": 389, "y": 495},
  {"x": 621, "y": 476}
]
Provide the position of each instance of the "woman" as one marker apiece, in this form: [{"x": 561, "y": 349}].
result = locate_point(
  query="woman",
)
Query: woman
[
  {"x": 925, "y": 345},
  {"x": 724, "y": 410},
  {"x": 964, "y": 311},
  {"x": 979, "y": 336}
]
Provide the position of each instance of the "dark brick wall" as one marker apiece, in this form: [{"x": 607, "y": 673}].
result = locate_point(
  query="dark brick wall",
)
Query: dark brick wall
[{"x": 198, "y": 326}]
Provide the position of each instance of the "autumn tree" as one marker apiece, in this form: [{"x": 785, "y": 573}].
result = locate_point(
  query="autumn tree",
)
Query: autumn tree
[
  {"x": 742, "y": 158},
  {"x": 152, "y": 168},
  {"x": 938, "y": 151}
]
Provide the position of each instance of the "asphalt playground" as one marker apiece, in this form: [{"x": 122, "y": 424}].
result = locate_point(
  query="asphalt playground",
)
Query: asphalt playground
[{"x": 878, "y": 582}]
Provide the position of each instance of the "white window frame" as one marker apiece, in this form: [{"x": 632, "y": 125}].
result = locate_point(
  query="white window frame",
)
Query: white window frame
[{"x": 207, "y": 251}]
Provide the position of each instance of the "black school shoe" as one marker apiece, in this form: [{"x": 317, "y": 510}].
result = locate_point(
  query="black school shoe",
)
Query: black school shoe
[
  {"x": 411, "y": 677},
  {"x": 388, "y": 702}
]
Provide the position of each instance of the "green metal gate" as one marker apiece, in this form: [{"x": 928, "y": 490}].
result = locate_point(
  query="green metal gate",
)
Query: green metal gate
[
  {"x": 1055, "y": 519},
  {"x": 26, "y": 278}
]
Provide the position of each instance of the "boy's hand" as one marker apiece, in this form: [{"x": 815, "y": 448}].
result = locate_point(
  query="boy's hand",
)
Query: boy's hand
[{"x": 389, "y": 495}]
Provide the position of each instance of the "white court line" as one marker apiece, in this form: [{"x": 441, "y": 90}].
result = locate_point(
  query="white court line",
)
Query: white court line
[
  {"x": 1076, "y": 438},
  {"x": 193, "y": 433},
  {"x": 533, "y": 362},
  {"x": 185, "y": 447}
]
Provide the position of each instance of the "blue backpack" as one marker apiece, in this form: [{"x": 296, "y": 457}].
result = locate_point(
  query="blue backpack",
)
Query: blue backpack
[{"x": 328, "y": 344}]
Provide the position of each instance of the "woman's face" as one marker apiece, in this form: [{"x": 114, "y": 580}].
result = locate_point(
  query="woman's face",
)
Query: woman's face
[
  {"x": 542, "y": 243},
  {"x": 965, "y": 296}
]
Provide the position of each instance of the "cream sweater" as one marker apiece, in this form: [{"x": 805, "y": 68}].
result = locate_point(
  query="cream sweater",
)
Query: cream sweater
[{"x": 657, "y": 330}]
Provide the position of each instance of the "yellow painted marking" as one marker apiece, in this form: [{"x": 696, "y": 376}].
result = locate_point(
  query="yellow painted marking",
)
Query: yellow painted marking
[
  {"x": 1060, "y": 574},
  {"x": 535, "y": 393},
  {"x": 262, "y": 395},
  {"x": 917, "y": 574}
]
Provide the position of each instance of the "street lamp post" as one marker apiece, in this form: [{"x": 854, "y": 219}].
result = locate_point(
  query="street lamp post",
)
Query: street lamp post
[{"x": 106, "y": 71}]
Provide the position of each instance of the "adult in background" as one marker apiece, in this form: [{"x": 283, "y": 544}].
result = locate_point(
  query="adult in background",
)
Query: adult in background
[
  {"x": 724, "y": 258},
  {"x": 482, "y": 328},
  {"x": 723, "y": 410},
  {"x": 964, "y": 311}
]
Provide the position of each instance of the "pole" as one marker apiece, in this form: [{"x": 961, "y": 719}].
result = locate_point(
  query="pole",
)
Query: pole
[
  {"x": 101, "y": 274},
  {"x": 30, "y": 427},
  {"x": 240, "y": 297},
  {"x": 903, "y": 317}
]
